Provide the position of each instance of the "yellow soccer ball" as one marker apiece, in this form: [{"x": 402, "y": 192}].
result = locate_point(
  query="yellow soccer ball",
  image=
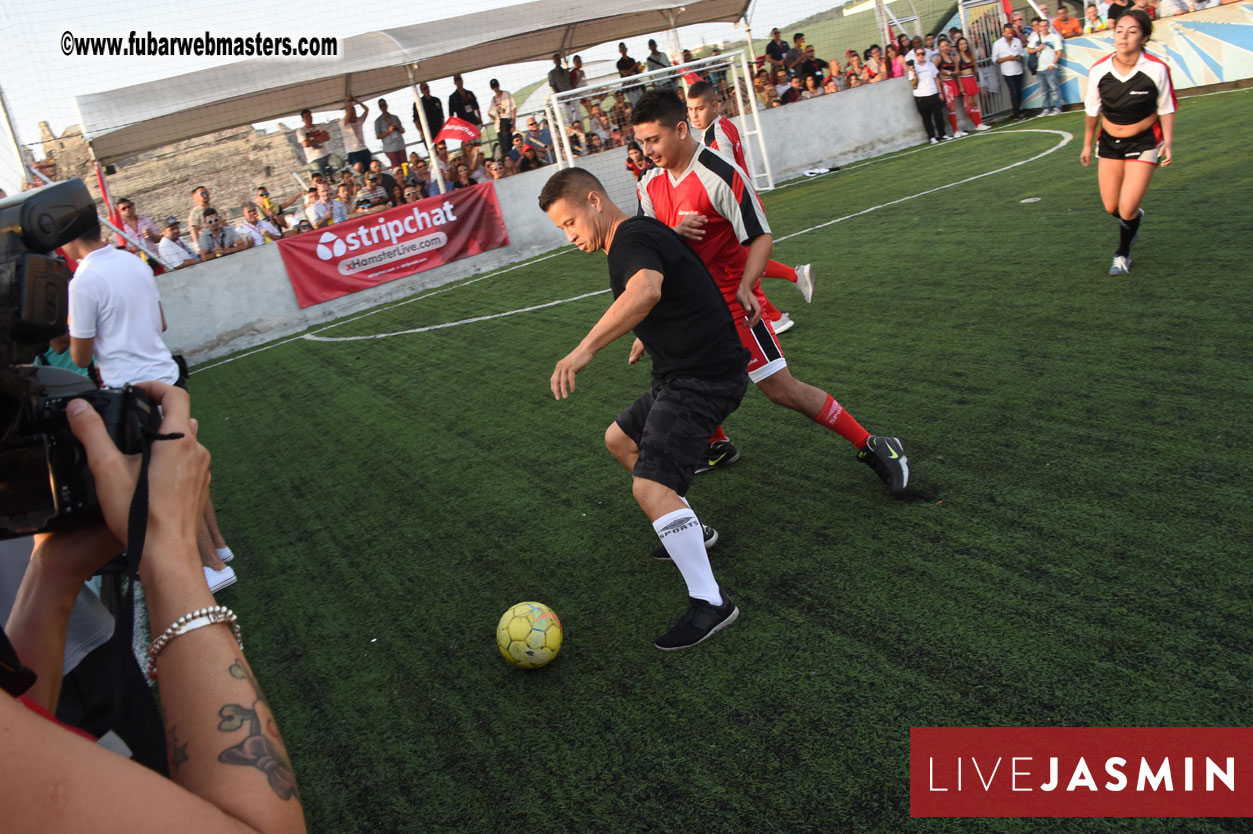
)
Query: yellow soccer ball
[{"x": 529, "y": 635}]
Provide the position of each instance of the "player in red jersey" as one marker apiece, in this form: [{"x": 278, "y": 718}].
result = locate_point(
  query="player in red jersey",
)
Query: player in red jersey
[
  {"x": 704, "y": 111},
  {"x": 692, "y": 181}
]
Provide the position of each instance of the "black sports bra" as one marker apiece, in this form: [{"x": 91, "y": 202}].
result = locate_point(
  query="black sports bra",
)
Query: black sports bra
[
  {"x": 963, "y": 65},
  {"x": 947, "y": 66}
]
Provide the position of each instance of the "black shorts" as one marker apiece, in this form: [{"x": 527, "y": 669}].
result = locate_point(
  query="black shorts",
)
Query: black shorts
[
  {"x": 671, "y": 423},
  {"x": 1142, "y": 147}
]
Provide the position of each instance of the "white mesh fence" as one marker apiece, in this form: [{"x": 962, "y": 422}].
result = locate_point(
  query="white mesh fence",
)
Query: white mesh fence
[{"x": 44, "y": 72}]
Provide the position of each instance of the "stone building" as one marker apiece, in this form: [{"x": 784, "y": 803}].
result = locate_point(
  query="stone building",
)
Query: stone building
[{"x": 230, "y": 163}]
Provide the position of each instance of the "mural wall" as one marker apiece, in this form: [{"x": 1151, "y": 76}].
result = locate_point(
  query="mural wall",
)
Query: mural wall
[{"x": 1202, "y": 48}]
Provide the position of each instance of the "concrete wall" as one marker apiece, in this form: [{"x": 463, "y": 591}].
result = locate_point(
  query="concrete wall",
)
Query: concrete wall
[
  {"x": 837, "y": 129},
  {"x": 246, "y": 300}
]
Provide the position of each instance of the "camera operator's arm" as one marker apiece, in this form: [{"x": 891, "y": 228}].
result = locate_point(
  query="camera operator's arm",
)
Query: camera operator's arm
[
  {"x": 226, "y": 756},
  {"x": 59, "y": 565}
]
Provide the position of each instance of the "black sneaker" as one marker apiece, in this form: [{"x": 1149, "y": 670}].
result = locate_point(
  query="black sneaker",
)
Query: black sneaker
[
  {"x": 711, "y": 538},
  {"x": 700, "y": 620},
  {"x": 886, "y": 456},
  {"x": 721, "y": 454}
]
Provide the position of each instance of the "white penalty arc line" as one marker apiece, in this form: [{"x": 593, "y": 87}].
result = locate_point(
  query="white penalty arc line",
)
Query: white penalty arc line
[
  {"x": 1065, "y": 138},
  {"x": 383, "y": 309},
  {"x": 314, "y": 338}
]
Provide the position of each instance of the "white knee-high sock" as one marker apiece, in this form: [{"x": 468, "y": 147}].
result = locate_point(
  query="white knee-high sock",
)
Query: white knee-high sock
[{"x": 684, "y": 539}]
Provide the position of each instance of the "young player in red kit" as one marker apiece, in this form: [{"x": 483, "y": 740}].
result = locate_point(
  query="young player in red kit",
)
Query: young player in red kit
[
  {"x": 716, "y": 131},
  {"x": 691, "y": 181}
]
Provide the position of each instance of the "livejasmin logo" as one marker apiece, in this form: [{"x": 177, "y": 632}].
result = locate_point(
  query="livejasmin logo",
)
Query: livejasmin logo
[
  {"x": 1080, "y": 772},
  {"x": 1079, "y": 775},
  {"x": 390, "y": 231}
]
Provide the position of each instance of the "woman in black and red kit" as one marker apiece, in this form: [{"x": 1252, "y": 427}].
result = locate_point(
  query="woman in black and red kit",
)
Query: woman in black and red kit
[{"x": 1130, "y": 92}]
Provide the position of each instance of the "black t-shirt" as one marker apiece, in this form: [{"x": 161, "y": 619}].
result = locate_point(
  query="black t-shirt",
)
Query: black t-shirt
[
  {"x": 689, "y": 332},
  {"x": 626, "y": 66},
  {"x": 464, "y": 105},
  {"x": 815, "y": 67},
  {"x": 777, "y": 50}
]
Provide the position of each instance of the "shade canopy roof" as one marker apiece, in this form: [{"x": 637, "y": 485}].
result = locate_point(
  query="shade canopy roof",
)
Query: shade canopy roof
[{"x": 128, "y": 120}]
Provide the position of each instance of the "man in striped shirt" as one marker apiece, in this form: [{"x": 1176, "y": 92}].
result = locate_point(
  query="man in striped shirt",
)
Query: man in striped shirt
[
  {"x": 707, "y": 198},
  {"x": 704, "y": 110}
]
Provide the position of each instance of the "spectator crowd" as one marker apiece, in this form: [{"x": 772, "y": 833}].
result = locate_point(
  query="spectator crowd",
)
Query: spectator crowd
[{"x": 940, "y": 67}]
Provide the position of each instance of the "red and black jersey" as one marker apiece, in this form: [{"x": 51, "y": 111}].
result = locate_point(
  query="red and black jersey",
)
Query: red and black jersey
[
  {"x": 724, "y": 136},
  {"x": 1125, "y": 100},
  {"x": 716, "y": 188}
]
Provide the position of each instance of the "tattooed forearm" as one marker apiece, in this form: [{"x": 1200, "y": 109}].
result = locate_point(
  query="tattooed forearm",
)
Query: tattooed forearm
[
  {"x": 258, "y": 749},
  {"x": 178, "y": 752}
]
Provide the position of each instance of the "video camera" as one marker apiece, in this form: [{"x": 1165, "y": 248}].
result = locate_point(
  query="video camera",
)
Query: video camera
[{"x": 45, "y": 483}]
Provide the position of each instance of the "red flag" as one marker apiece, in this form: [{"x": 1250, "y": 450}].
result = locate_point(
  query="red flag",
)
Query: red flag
[
  {"x": 114, "y": 216},
  {"x": 1009, "y": 9},
  {"x": 458, "y": 129}
]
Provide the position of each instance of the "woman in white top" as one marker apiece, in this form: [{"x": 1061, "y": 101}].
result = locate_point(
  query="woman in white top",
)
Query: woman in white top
[
  {"x": 924, "y": 76},
  {"x": 350, "y": 126},
  {"x": 504, "y": 111},
  {"x": 1131, "y": 95}
]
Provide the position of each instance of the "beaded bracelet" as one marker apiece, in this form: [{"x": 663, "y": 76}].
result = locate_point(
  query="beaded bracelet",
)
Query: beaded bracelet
[{"x": 191, "y": 621}]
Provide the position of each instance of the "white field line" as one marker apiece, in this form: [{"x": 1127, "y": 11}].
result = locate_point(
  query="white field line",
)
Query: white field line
[
  {"x": 313, "y": 338},
  {"x": 1065, "y": 138},
  {"x": 385, "y": 308}
]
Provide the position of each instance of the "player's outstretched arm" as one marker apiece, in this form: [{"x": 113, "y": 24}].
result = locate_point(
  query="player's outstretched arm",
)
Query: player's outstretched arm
[
  {"x": 759, "y": 249},
  {"x": 1168, "y": 138},
  {"x": 642, "y": 293},
  {"x": 1089, "y": 134}
]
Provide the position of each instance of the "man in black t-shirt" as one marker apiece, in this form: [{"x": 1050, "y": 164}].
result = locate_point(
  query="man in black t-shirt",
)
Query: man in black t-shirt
[
  {"x": 665, "y": 294},
  {"x": 463, "y": 104},
  {"x": 776, "y": 51}
]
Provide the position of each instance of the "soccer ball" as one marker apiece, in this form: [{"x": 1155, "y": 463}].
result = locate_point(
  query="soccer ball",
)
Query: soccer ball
[{"x": 529, "y": 635}]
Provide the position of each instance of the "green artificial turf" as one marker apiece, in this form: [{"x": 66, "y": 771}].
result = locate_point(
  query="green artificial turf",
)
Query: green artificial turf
[{"x": 1074, "y": 549}]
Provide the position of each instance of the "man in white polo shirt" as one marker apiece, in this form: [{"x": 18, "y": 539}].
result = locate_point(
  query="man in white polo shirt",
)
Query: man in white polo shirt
[
  {"x": 1007, "y": 53},
  {"x": 115, "y": 314},
  {"x": 172, "y": 249}
]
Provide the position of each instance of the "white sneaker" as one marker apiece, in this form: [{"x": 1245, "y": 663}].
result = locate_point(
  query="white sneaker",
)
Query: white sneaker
[
  {"x": 225, "y": 554},
  {"x": 783, "y": 325},
  {"x": 1120, "y": 266},
  {"x": 948, "y": 137},
  {"x": 959, "y": 134},
  {"x": 219, "y": 579},
  {"x": 981, "y": 127},
  {"x": 805, "y": 281},
  {"x": 934, "y": 141}
]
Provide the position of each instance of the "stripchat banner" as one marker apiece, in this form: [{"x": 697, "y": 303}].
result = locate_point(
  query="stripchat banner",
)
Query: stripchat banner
[{"x": 348, "y": 257}]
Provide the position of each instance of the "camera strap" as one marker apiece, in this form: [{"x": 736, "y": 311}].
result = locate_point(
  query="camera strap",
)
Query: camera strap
[{"x": 136, "y": 533}]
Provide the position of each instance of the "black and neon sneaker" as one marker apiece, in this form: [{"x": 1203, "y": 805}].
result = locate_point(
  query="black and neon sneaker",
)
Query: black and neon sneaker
[
  {"x": 701, "y": 620},
  {"x": 711, "y": 538},
  {"x": 886, "y": 456},
  {"x": 720, "y": 455}
]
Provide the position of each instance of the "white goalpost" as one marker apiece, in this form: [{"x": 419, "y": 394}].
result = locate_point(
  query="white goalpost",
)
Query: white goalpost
[{"x": 739, "y": 105}]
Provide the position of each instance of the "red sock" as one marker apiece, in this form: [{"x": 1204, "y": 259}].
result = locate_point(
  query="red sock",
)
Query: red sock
[
  {"x": 718, "y": 434},
  {"x": 768, "y": 311},
  {"x": 834, "y": 417},
  {"x": 774, "y": 269}
]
